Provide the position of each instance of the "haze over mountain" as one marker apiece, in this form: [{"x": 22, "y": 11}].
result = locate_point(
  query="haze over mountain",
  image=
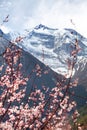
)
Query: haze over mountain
[{"x": 54, "y": 13}]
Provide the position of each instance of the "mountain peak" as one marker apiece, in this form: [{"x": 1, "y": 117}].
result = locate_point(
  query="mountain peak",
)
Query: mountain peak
[{"x": 41, "y": 26}]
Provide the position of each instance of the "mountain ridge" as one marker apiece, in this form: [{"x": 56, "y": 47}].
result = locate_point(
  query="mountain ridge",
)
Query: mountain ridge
[
  {"x": 54, "y": 46},
  {"x": 49, "y": 79}
]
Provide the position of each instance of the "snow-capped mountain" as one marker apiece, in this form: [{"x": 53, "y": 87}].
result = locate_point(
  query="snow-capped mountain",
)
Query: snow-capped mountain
[
  {"x": 54, "y": 46},
  {"x": 49, "y": 77}
]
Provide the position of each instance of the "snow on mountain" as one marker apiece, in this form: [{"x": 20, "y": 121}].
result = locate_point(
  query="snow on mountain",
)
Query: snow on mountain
[
  {"x": 48, "y": 77},
  {"x": 53, "y": 46}
]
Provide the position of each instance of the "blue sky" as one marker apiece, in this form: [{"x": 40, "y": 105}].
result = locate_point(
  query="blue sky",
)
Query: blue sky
[{"x": 25, "y": 14}]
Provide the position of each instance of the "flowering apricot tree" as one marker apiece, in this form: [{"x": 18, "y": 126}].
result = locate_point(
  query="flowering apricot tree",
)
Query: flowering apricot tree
[{"x": 43, "y": 109}]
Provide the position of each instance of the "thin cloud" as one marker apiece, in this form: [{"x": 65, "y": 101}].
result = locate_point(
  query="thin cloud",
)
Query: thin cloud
[{"x": 53, "y": 13}]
